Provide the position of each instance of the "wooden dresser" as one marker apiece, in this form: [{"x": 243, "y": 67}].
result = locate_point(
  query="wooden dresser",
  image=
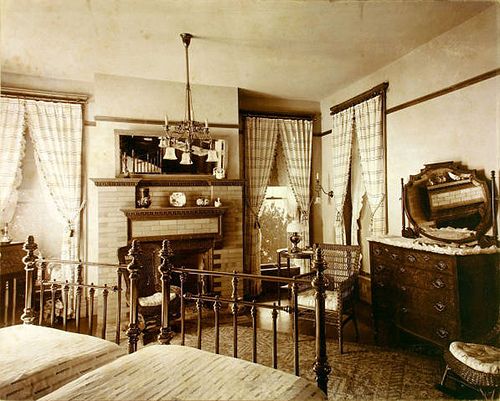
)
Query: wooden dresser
[
  {"x": 12, "y": 281},
  {"x": 439, "y": 297}
]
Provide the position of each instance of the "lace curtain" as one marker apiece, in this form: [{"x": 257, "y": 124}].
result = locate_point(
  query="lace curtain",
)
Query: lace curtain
[
  {"x": 296, "y": 137},
  {"x": 56, "y": 130},
  {"x": 364, "y": 122},
  {"x": 261, "y": 135},
  {"x": 11, "y": 154},
  {"x": 368, "y": 115},
  {"x": 342, "y": 132}
]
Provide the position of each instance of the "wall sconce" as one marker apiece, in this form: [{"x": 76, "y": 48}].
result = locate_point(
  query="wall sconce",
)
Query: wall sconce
[{"x": 320, "y": 189}]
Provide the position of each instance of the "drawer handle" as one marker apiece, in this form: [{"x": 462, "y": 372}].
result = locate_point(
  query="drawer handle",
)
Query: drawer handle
[
  {"x": 394, "y": 256},
  {"x": 442, "y": 333},
  {"x": 439, "y": 306},
  {"x": 427, "y": 258},
  {"x": 402, "y": 269},
  {"x": 412, "y": 258},
  {"x": 402, "y": 288},
  {"x": 438, "y": 283},
  {"x": 380, "y": 268},
  {"x": 441, "y": 265},
  {"x": 377, "y": 251},
  {"x": 381, "y": 285},
  {"x": 404, "y": 310}
]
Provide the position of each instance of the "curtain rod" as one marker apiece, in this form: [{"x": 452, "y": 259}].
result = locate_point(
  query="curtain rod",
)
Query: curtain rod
[
  {"x": 277, "y": 115},
  {"x": 51, "y": 96},
  {"x": 376, "y": 90}
]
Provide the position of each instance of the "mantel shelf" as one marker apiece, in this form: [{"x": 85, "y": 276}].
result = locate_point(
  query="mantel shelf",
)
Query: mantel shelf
[{"x": 186, "y": 212}]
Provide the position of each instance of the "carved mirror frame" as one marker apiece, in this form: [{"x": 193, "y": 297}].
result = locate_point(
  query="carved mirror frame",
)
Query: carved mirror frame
[{"x": 432, "y": 177}]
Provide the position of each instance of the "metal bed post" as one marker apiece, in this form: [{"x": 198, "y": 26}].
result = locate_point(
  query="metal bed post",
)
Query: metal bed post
[
  {"x": 165, "y": 268},
  {"x": 133, "y": 268},
  {"x": 319, "y": 283},
  {"x": 29, "y": 261}
]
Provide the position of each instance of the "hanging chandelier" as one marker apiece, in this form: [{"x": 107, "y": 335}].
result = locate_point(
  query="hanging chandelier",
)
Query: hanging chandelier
[{"x": 189, "y": 136}]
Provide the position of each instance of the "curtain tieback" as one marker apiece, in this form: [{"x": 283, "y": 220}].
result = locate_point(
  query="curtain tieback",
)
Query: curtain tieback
[
  {"x": 339, "y": 217},
  {"x": 70, "y": 223},
  {"x": 372, "y": 217}
]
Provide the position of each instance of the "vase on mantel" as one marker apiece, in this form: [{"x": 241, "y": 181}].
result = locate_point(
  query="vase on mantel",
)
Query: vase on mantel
[
  {"x": 144, "y": 198},
  {"x": 6, "y": 239}
]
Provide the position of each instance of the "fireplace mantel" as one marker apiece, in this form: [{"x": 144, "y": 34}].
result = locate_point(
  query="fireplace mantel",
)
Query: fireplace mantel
[
  {"x": 164, "y": 213},
  {"x": 180, "y": 223}
]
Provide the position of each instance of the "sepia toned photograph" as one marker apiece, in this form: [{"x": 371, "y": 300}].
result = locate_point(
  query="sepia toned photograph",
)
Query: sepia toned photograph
[{"x": 249, "y": 200}]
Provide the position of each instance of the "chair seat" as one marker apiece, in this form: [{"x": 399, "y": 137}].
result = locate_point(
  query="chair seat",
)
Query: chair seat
[
  {"x": 155, "y": 299},
  {"x": 480, "y": 357},
  {"x": 307, "y": 299}
]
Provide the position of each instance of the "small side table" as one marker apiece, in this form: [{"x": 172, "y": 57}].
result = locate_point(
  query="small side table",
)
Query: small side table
[{"x": 284, "y": 253}]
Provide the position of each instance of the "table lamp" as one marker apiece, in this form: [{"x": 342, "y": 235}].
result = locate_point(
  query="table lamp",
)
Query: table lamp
[{"x": 295, "y": 231}]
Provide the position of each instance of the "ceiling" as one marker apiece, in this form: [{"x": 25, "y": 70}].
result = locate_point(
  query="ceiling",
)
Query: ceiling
[{"x": 295, "y": 49}]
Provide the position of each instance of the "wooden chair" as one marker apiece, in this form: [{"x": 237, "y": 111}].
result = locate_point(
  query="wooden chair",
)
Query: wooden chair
[
  {"x": 474, "y": 365},
  {"x": 149, "y": 290},
  {"x": 343, "y": 264}
]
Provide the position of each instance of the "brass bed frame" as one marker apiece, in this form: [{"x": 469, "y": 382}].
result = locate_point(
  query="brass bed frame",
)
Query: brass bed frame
[{"x": 321, "y": 367}]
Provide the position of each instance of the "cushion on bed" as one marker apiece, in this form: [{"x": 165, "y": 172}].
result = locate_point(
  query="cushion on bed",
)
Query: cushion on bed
[
  {"x": 35, "y": 360},
  {"x": 480, "y": 357},
  {"x": 174, "y": 372},
  {"x": 308, "y": 299}
]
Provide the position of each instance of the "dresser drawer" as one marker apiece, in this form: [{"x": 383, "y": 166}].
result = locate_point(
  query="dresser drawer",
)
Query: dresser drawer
[
  {"x": 433, "y": 262},
  {"x": 386, "y": 253},
  {"x": 438, "y": 331},
  {"x": 424, "y": 279},
  {"x": 437, "y": 304}
]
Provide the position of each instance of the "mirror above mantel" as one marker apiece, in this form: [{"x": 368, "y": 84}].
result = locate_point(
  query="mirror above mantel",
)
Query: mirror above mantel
[
  {"x": 448, "y": 203},
  {"x": 141, "y": 154}
]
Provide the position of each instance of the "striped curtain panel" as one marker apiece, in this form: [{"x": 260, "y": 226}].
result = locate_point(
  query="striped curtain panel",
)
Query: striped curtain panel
[
  {"x": 296, "y": 137},
  {"x": 371, "y": 149},
  {"x": 342, "y": 131},
  {"x": 261, "y": 135},
  {"x": 56, "y": 130},
  {"x": 12, "y": 144}
]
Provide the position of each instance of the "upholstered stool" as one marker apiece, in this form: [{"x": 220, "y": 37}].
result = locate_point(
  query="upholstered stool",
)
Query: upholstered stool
[{"x": 476, "y": 366}]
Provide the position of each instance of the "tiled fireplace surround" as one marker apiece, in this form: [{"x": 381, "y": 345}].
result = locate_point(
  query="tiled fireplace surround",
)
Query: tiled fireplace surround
[{"x": 114, "y": 199}]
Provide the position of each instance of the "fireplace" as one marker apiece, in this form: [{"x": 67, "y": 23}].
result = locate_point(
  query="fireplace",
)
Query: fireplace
[{"x": 214, "y": 234}]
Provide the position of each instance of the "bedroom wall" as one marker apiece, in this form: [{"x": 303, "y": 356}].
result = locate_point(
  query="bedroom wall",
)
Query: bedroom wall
[{"x": 460, "y": 125}]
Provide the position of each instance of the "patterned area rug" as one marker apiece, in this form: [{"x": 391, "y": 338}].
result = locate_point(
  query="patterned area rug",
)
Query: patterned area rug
[{"x": 363, "y": 372}]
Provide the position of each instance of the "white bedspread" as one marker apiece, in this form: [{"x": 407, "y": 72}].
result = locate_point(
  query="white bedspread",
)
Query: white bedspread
[
  {"x": 174, "y": 372},
  {"x": 35, "y": 360}
]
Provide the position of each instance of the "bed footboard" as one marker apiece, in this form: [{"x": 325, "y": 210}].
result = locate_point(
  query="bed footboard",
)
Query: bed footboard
[
  {"x": 52, "y": 292},
  {"x": 321, "y": 367}
]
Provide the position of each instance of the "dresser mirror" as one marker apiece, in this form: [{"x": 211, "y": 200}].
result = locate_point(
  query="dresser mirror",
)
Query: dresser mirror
[{"x": 449, "y": 203}]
